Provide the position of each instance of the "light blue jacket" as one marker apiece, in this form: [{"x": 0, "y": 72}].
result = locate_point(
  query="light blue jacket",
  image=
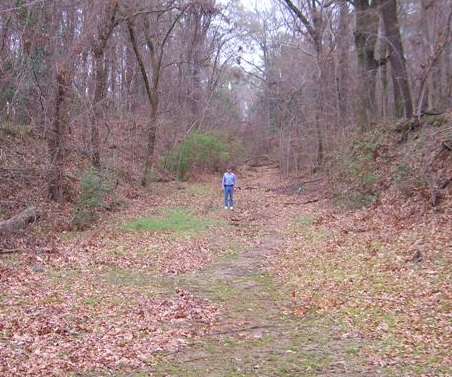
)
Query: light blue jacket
[{"x": 229, "y": 179}]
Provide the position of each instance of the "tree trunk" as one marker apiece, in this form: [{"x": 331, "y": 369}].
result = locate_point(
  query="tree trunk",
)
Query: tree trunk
[
  {"x": 195, "y": 69},
  {"x": 319, "y": 116},
  {"x": 402, "y": 97},
  {"x": 129, "y": 74},
  {"x": 366, "y": 32},
  {"x": 152, "y": 98},
  {"x": 56, "y": 139},
  {"x": 448, "y": 80},
  {"x": 342, "y": 66},
  {"x": 104, "y": 30},
  {"x": 318, "y": 129},
  {"x": 382, "y": 53},
  {"x": 149, "y": 158},
  {"x": 99, "y": 94}
]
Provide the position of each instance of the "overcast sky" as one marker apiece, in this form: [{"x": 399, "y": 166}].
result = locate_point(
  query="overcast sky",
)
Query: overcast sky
[{"x": 259, "y": 4}]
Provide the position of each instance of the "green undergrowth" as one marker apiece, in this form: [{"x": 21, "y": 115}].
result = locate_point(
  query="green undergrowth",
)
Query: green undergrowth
[
  {"x": 176, "y": 220},
  {"x": 356, "y": 171},
  {"x": 200, "y": 151},
  {"x": 408, "y": 157},
  {"x": 11, "y": 130},
  {"x": 96, "y": 187}
]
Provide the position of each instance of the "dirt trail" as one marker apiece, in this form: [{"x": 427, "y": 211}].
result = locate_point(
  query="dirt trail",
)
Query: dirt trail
[{"x": 257, "y": 335}]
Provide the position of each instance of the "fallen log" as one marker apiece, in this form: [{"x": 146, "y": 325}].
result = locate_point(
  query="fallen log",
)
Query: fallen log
[
  {"x": 20, "y": 221},
  {"x": 11, "y": 251},
  {"x": 311, "y": 201},
  {"x": 311, "y": 180},
  {"x": 292, "y": 204}
]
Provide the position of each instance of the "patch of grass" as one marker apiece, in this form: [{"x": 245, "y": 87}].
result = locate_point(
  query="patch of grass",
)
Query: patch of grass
[
  {"x": 177, "y": 221},
  {"x": 355, "y": 200},
  {"x": 168, "y": 368},
  {"x": 92, "y": 301},
  {"x": 3, "y": 214},
  {"x": 222, "y": 291},
  {"x": 147, "y": 283},
  {"x": 200, "y": 189},
  {"x": 10, "y": 261},
  {"x": 52, "y": 299},
  {"x": 312, "y": 362},
  {"x": 353, "y": 350},
  {"x": 69, "y": 235},
  {"x": 229, "y": 250},
  {"x": 305, "y": 220},
  {"x": 65, "y": 279},
  {"x": 126, "y": 278},
  {"x": 305, "y": 226},
  {"x": 408, "y": 179}
]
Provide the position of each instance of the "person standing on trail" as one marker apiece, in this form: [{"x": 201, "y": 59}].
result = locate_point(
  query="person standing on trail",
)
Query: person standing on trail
[{"x": 228, "y": 183}]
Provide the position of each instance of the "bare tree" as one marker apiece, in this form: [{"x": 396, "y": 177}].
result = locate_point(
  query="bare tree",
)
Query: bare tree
[
  {"x": 57, "y": 136},
  {"x": 105, "y": 28},
  {"x": 401, "y": 85},
  {"x": 366, "y": 34},
  {"x": 156, "y": 50},
  {"x": 314, "y": 22}
]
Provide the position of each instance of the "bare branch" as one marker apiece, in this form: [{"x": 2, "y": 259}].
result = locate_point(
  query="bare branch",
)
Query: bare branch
[{"x": 26, "y": 5}]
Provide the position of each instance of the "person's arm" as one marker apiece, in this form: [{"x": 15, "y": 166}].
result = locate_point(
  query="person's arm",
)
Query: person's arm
[{"x": 222, "y": 182}]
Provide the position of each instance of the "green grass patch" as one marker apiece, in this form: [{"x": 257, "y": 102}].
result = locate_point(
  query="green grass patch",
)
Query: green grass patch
[
  {"x": 126, "y": 278},
  {"x": 147, "y": 283},
  {"x": 92, "y": 301},
  {"x": 305, "y": 220},
  {"x": 200, "y": 189},
  {"x": 354, "y": 200},
  {"x": 222, "y": 291},
  {"x": 177, "y": 221},
  {"x": 10, "y": 261}
]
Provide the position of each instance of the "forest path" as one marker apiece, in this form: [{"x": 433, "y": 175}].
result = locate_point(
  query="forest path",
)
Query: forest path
[
  {"x": 173, "y": 285},
  {"x": 257, "y": 334}
]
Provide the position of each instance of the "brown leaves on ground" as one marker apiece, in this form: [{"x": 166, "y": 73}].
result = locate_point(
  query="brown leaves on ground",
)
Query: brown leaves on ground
[
  {"x": 97, "y": 302},
  {"x": 90, "y": 319},
  {"x": 384, "y": 273},
  {"x": 55, "y": 331},
  {"x": 105, "y": 301}
]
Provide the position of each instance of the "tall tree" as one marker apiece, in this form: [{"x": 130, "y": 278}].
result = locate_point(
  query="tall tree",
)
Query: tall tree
[
  {"x": 56, "y": 139},
  {"x": 199, "y": 18},
  {"x": 156, "y": 48},
  {"x": 402, "y": 93},
  {"x": 105, "y": 28},
  {"x": 366, "y": 34},
  {"x": 314, "y": 23},
  {"x": 342, "y": 68}
]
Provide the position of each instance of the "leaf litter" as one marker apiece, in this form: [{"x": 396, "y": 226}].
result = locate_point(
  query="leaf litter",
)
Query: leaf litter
[{"x": 94, "y": 302}]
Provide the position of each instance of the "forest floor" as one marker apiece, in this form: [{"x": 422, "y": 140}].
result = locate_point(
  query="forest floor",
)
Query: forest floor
[{"x": 283, "y": 285}]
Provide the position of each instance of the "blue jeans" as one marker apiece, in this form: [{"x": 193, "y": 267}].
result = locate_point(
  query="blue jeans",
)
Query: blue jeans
[{"x": 228, "y": 196}]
